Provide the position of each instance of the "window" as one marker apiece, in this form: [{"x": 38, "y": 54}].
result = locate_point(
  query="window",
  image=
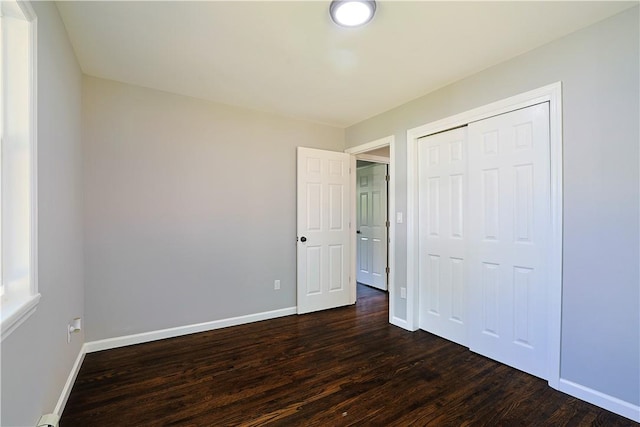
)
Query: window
[{"x": 18, "y": 279}]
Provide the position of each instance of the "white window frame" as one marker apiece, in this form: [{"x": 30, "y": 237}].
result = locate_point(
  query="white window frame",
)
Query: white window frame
[{"x": 20, "y": 302}]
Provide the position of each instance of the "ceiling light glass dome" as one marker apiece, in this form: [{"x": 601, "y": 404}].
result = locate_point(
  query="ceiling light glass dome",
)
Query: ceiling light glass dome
[{"x": 352, "y": 13}]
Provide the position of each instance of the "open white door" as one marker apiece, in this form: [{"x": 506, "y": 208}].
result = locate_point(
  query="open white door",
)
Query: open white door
[{"x": 323, "y": 245}]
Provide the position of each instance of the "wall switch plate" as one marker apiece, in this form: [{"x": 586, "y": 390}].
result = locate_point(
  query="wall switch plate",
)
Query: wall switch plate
[
  {"x": 403, "y": 293},
  {"x": 399, "y": 217},
  {"x": 276, "y": 284},
  {"x": 73, "y": 327},
  {"x": 76, "y": 324}
]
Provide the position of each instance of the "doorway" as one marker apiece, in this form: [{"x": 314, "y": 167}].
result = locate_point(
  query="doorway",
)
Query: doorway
[
  {"x": 381, "y": 151},
  {"x": 372, "y": 224},
  {"x": 323, "y": 193}
]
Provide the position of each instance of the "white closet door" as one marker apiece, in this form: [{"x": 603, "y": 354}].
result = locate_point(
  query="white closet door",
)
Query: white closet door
[
  {"x": 442, "y": 227},
  {"x": 509, "y": 184}
]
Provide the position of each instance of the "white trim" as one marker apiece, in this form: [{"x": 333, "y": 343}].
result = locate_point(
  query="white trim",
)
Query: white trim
[
  {"x": 370, "y": 146},
  {"x": 597, "y": 398},
  {"x": 19, "y": 316},
  {"x": 523, "y": 100},
  {"x": 27, "y": 10},
  {"x": 71, "y": 379},
  {"x": 412, "y": 229},
  {"x": 372, "y": 158},
  {"x": 600, "y": 399},
  {"x": 552, "y": 94},
  {"x": 391, "y": 200},
  {"x": 28, "y": 305},
  {"x": 353, "y": 273},
  {"x": 396, "y": 321},
  {"x": 30, "y": 14},
  {"x": 554, "y": 300},
  {"x": 110, "y": 343},
  {"x": 161, "y": 334},
  {"x": 391, "y": 288}
]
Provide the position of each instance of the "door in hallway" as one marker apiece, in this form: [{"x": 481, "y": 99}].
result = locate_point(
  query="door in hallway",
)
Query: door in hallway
[{"x": 371, "y": 227}]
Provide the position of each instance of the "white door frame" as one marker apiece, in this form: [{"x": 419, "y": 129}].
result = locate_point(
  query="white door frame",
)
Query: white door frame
[
  {"x": 552, "y": 94},
  {"x": 356, "y": 153}
]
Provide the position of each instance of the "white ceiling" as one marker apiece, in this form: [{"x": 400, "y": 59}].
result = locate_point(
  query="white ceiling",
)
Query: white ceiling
[{"x": 288, "y": 58}]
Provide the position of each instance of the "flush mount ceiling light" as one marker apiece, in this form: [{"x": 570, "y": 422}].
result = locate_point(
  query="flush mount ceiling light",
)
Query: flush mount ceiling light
[{"x": 352, "y": 13}]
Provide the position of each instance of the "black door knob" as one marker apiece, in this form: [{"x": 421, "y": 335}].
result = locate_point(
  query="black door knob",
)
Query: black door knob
[
  {"x": 303, "y": 239},
  {"x": 358, "y": 232}
]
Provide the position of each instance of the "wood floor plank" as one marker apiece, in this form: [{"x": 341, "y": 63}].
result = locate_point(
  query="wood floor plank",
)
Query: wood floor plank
[{"x": 341, "y": 367}]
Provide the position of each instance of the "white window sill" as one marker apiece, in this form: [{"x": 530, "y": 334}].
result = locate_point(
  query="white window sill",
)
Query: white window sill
[{"x": 15, "y": 311}]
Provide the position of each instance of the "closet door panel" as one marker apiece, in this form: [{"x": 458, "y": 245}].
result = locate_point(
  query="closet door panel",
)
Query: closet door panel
[
  {"x": 442, "y": 228},
  {"x": 509, "y": 184}
]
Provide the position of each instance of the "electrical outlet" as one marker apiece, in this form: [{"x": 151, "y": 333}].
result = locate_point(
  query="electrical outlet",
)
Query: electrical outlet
[
  {"x": 403, "y": 293},
  {"x": 276, "y": 284}
]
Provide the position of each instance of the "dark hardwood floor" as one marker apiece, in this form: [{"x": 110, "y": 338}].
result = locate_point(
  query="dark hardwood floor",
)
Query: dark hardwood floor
[{"x": 340, "y": 367}]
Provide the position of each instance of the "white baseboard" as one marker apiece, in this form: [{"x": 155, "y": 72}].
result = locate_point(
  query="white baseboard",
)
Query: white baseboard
[
  {"x": 587, "y": 394},
  {"x": 600, "y": 399},
  {"x": 90, "y": 347},
  {"x": 126, "y": 340},
  {"x": 401, "y": 323},
  {"x": 71, "y": 379}
]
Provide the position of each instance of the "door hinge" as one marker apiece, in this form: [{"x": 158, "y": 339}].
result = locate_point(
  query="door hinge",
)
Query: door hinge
[
  {"x": 387, "y": 224},
  {"x": 387, "y": 178},
  {"x": 387, "y": 270}
]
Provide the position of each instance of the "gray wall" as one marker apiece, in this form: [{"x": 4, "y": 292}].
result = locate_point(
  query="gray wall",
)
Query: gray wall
[
  {"x": 599, "y": 69},
  {"x": 189, "y": 208},
  {"x": 36, "y": 358}
]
